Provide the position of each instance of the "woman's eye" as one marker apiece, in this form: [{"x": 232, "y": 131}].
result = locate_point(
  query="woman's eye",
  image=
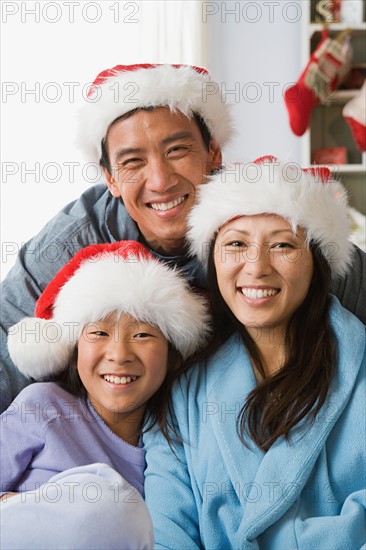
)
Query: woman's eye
[
  {"x": 99, "y": 333},
  {"x": 283, "y": 245},
  {"x": 235, "y": 244}
]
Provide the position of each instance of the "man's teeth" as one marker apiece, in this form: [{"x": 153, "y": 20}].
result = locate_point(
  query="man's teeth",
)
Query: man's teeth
[
  {"x": 261, "y": 293},
  {"x": 118, "y": 380},
  {"x": 166, "y": 205}
]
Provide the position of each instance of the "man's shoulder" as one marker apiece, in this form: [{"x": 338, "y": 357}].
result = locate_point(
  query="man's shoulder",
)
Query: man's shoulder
[
  {"x": 95, "y": 217},
  {"x": 351, "y": 289}
]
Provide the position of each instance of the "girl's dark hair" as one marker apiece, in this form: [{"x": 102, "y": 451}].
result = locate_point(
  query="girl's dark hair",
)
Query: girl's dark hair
[
  {"x": 159, "y": 407},
  {"x": 104, "y": 159},
  {"x": 299, "y": 389}
]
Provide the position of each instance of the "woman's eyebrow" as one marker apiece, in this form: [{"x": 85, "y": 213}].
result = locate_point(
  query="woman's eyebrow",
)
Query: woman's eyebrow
[{"x": 248, "y": 233}]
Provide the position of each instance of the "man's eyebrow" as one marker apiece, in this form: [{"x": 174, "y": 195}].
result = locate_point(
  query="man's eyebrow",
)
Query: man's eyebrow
[
  {"x": 122, "y": 152},
  {"x": 176, "y": 137}
]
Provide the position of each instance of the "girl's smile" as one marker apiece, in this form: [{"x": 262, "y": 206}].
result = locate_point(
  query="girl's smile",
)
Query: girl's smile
[{"x": 121, "y": 362}]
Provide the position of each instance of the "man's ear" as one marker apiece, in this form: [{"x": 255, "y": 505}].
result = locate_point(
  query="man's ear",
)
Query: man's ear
[
  {"x": 112, "y": 185},
  {"x": 215, "y": 156}
]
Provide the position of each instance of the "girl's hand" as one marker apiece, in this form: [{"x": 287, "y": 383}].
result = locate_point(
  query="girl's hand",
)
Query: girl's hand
[{"x": 4, "y": 497}]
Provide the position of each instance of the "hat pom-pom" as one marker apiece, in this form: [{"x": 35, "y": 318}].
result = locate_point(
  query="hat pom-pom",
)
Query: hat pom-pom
[{"x": 37, "y": 347}]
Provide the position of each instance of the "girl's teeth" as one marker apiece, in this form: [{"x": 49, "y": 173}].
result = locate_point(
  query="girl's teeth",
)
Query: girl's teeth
[
  {"x": 117, "y": 380},
  {"x": 260, "y": 293}
]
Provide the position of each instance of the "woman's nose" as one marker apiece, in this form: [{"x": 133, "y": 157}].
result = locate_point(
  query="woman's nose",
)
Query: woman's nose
[{"x": 257, "y": 261}]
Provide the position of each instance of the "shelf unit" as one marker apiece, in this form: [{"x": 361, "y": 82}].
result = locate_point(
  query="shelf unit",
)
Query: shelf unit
[{"x": 327, "y": 126}]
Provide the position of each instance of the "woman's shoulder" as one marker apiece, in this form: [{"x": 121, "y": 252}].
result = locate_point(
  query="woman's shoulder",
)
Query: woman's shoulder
[
  {"x": 349, "y": 330},
  {"x": 227, "y": 355},
  {"x": 339, "y": 315}
]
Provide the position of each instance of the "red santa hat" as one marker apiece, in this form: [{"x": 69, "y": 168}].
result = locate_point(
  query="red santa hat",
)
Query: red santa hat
[
  {"x": 310, "y": 199},
  {"x": 124, "y": 88},
  {"x": 120, "y": 277}
]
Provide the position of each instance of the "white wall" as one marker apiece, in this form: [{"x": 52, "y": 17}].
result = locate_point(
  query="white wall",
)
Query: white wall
[
  {"x": 256, "y": 51},
  {"x": 56, "y": 49}
]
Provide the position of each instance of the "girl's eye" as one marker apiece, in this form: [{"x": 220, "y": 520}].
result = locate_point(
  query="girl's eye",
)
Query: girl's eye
[{"x": 141, "y": 335}]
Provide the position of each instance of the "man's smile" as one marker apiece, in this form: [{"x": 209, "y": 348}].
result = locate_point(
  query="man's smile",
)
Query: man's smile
[{"x": 167, "y": 205}]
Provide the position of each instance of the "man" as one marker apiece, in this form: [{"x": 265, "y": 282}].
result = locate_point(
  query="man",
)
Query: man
[{"x": 157, "y": 132}]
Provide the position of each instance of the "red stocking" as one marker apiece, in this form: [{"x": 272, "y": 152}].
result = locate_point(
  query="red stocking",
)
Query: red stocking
[
  {"x": 354, "y": 113},
  {"x": 328, "y": 65}
]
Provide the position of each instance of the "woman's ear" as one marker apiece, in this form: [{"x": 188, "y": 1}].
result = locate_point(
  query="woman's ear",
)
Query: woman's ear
[
  {"x": 111, "y": 183},
  {"x": 215, "y": 155}
]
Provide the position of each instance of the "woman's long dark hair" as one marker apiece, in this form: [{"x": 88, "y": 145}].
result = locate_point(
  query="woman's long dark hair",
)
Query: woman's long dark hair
[{"x": 299, "y": 389}]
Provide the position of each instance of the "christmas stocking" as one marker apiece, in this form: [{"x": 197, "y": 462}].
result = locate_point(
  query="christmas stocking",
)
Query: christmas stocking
[
  {"x": 354, "y": 113},
  {"x": 327, "y": 67}
]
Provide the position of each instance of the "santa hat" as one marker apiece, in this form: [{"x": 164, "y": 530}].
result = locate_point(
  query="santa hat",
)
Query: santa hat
[
  {"x": 306, "y": 198},
  {"x": 120, "y": 277},
  {"x": 124, "y": 88}
]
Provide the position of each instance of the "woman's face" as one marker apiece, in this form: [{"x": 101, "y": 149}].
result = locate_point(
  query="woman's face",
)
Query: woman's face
[{"x": 263, "y": 270}]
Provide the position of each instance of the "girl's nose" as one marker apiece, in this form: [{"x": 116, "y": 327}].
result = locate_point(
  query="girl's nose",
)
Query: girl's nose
[{"x": 119, "y": 351}]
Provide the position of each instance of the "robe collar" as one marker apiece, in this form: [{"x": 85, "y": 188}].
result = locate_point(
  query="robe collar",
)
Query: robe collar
[{"x": 268, "y": 484}]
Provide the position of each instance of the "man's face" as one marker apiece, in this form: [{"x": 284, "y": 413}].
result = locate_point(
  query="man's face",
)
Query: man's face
[{"x": 158, "y": 159}]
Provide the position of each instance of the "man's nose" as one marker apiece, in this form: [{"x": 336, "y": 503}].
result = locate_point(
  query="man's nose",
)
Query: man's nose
[{"x": 161, "y": 176}]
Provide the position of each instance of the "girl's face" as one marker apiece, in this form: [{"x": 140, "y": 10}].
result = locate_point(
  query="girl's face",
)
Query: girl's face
[
  {"x": 121, "y": 362},
  {"x": 263, "y": 270}
]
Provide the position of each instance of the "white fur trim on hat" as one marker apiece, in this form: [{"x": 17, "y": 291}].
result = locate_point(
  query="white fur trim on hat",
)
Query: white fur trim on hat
[
  {"x": 39, "y": 347},
  {"x": 144, "y": 288},
  {"x": 181, "y": 89},
  {"x": 283, "y": 189}
]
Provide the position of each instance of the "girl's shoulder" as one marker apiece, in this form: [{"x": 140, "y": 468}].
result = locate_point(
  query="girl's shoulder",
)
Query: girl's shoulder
[
  {"x": 47, "y": 398},
  {"x": 40, "y": 390}
]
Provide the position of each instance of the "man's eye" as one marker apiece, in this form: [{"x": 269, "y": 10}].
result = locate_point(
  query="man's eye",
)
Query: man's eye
[
  {"x": 178, "y": 149},
  {"x": 130, "y": 163}
]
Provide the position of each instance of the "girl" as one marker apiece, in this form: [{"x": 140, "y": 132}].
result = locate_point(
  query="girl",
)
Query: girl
[
  {"x": 269, "y": 426},
  {"x": 111, "y": 326}
]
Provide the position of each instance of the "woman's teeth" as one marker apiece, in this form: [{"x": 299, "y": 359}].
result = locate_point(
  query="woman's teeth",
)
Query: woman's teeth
[
  {"x": 260, "y": 293},
  {"x": 117, "y": 380}
]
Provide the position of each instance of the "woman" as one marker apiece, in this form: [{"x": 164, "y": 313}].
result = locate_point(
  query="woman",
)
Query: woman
[{"x": 267, "y": 444}]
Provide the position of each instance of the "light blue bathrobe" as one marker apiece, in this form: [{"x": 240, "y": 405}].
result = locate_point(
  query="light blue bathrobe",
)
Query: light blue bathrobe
[{"x": 307, "y": 494}]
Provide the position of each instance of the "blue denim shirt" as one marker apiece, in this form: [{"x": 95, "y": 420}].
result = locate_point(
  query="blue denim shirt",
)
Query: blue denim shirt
[{"x": 97, "y": 217}]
